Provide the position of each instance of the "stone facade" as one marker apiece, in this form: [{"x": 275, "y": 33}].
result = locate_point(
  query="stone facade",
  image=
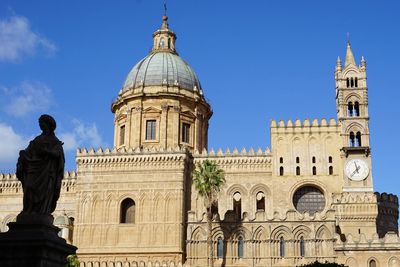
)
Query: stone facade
[{"x": 310, "y": 197}]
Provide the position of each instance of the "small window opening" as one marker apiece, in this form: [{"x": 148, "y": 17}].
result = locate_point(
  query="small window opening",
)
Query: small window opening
[
  {"x": 280, "y": 160},
  {"x": 358, "y": 139},
  {"x": 127, "y": 211},
  {"x": 220, "y": 248},
  {"x": 281, "y": 172},
  {"x": 282, "y": 247},
  {"x": 372, "y": 263},
  {"x": 352, "y": 82},
  {"x": 297, "y": 170},
  {"x": 297, "y": 160},
  {"x": 314, "y": 170},
  {"x": 260, "y": 197},
  {"x": 356, "y": 82},
  {"x": 330, "y": 159},
  {"x": 330, "y": 170},
  {"x": 122, "y": 135},
  {"x": 351, "y": 140},
  {"x": 350, "y": 109},
  {"x": 240, "y": 247},
  {"x": 359, "y": 231},
  {"x": 237, "y": 205},
  {"x": 347, "y": 83},
  {"x": 302, "y": 247},
  {"x": 151, "y": 126},
  {"x": 185, "y": 132},
  {"x": 356, "y": 109},
  {"x": 313, "y": 159}
]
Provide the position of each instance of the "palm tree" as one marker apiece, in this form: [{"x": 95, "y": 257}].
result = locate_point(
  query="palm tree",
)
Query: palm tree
[{"x": 208, "y": 179}]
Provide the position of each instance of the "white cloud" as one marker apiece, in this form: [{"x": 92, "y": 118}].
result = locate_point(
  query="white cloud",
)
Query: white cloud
[
  {"x": 27, "y": 98},
  {"x": 17, "y": 39},
  {"x": 83, "y": 134},
  {"x": 10, "y": 145}
]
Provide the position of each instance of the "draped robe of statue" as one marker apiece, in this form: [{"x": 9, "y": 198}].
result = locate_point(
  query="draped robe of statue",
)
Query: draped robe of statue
[{"x": 40, "y": 169}]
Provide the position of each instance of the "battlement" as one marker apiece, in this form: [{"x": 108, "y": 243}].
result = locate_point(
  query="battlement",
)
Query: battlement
[
  {"x": 83, "y": 152},
  {"x": 305, "y": 124},
  {"x": 235, "y": 152},
  {"x": 387, "y": 198},
  {"x": 9, "y": 182}
]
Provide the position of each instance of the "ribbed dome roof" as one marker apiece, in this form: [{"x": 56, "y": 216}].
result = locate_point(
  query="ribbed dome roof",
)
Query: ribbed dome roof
[{"x": 162, "y": 68}]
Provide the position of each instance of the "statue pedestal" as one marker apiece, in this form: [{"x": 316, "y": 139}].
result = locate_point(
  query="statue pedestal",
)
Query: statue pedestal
[{"x": 34, "y": 245}]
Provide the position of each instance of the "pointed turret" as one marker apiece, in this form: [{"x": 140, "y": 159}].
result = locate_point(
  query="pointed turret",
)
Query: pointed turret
[
  {"x": 349, "y": 56},
  {"x": 338, "y": 64}
]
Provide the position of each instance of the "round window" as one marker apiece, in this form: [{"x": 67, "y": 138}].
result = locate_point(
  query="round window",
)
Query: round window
[{"x": 309, "y": 199}]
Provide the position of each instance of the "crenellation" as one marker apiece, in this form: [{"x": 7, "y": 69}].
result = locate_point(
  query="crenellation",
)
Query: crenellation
[{"x": 305, "y": 124}]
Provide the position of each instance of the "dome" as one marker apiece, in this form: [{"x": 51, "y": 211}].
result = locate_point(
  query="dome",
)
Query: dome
[{"x": 162, "y": 68}]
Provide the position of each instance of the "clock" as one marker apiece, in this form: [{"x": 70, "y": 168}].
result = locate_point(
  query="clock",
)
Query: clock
[{"x": 357, "y": 169}]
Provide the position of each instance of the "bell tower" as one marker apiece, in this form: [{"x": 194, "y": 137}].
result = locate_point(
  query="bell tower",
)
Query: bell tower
[{"x": 352, "y": 112}]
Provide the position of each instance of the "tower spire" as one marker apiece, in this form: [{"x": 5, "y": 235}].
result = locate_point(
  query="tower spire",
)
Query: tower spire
[{"x": 349, "y": 55}]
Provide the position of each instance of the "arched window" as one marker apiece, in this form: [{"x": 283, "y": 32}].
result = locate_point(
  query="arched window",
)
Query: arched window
[
  {"x": 260, "y": 197},
  {"x": 314, "y": 170},
  {"x": 352, "y": 82},
  {"x": 330, "y": 159},
  {"x": 281, "y": 171},
  {"x": 297, "y": 160},
  {"x": 297, "y": 170},
  {"x": 358, "y": 139},
  {"x": 282, "y": 247},
  {"x": 127, "y": 212},
  {"x": 347, "y": 83},
  {"x": 237, "y": 205},
  {"x": 280, "y": 160},
  {"x": 220, "y": 248},
  {"x": 350, "y": 108},
  {"x": 356, "y": 82},
  {"x": 162, "y": 43},
  {"x": 351, "y": 140},
  {"x": 372, "y": 263},
  {"x": 330, "y": 170},
  {"x": 302, "y": 247},
  {"x": 240, "y": 247},
  {"x": 356, "y": 109},
  {"x": 313, "y": 159}
]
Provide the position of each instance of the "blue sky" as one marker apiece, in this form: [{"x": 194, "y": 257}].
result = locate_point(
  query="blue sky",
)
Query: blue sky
[{"x": 257, "y": 61}]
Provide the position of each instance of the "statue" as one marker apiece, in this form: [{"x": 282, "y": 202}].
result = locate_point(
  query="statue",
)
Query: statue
[{"x": 40, "y": 169}]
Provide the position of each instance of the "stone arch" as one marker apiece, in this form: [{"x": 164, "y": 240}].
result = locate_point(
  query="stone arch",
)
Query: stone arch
[
  {"x": 199, "y": 234},
  {"x": 241, "y": 232},
  {"x": 352, "y": 97},
  {"x": 97, "y": 206},
  {"x": 372, "y": 259},
  {"x": 281, "y": 231},
  {"x": 159, "y": 207},
  {"x": 170, "y": 208},
  {"x": 351, "y": 262},
  {"x": 394, "y": 262},
  {"x": 354, "y": 127},
  {"x": 236, "y": 188},
  {"x": 301, "y": 231},
  {"x": 323, "y": 233},
  {"x": 260, "y": 233}
]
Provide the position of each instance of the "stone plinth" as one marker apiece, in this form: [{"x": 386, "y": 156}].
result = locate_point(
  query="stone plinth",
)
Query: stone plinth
[{"x": 33, "y": 245}]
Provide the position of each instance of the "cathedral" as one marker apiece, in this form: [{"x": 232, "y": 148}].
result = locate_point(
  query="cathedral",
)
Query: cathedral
[{"x": 310, "y": 197}]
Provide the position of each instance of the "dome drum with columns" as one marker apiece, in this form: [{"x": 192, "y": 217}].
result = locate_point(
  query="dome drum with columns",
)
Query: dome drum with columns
[{"x": 161, "y": 103}]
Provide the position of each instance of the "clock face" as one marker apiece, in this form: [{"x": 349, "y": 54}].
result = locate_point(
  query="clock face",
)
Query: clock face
[{"x": 357, "y": 169}]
